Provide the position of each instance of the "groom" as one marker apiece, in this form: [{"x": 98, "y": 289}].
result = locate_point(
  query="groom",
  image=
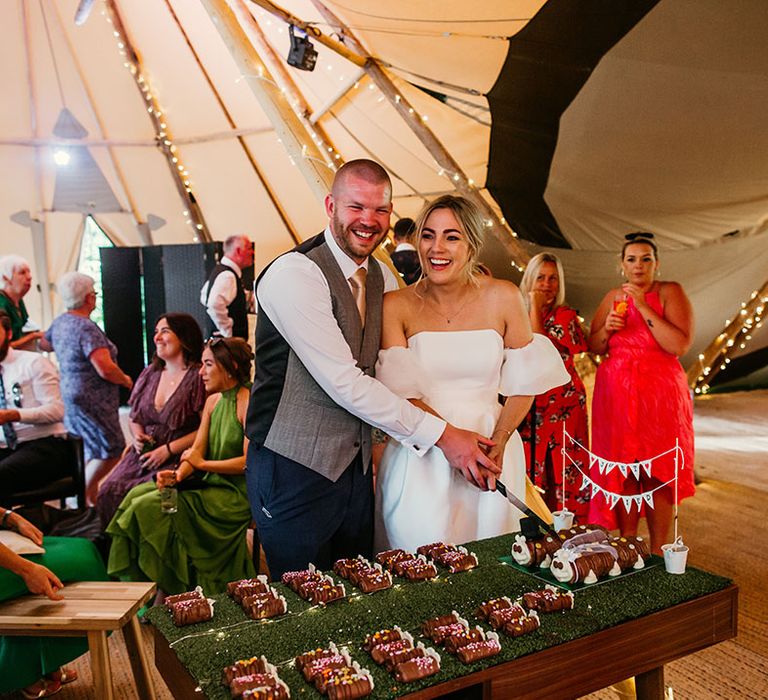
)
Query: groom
[{"x": 314, "y": 395}]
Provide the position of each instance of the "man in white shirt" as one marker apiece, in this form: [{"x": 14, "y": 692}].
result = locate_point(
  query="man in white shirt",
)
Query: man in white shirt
[
  {"x": 31, "y": 411},
  {"x": 314, "y": 398},
  {"x": 223, "y": 295}
]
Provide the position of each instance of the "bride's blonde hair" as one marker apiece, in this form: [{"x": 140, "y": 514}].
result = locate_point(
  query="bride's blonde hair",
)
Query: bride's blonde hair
[{"x": 471, "y": 223}]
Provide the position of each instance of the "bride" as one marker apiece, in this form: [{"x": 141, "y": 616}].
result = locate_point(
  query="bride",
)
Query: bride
[{"x": 451, "y": 344}]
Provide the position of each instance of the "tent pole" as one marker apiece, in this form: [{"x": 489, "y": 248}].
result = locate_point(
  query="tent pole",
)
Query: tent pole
[
  {"x": 436, "y": 149},
  {"x": 159, "y": 125},
  {"x": 38, "y": 229},
  {"x": 94, "y": 108},
  {"x": 279, "y": 208},
  {"x": 736, "y": 333},
  {"x": 302, "y": 151}
]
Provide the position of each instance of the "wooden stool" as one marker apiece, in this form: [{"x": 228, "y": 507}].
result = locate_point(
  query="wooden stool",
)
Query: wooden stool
[{"x": 89, "y": 609}]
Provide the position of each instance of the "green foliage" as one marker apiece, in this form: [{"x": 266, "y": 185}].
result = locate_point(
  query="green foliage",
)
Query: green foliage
[
  {"x": 205, "y": 649},
  {"x": 90, "y": 263}
]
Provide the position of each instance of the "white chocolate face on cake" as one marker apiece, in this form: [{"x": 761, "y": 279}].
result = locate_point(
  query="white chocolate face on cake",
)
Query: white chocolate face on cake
[
  {"x": 520, "y": 552},
  {"x": 561, "y": 566}
]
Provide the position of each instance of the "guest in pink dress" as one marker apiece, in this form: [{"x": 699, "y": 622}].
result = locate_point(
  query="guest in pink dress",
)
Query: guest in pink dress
[{"x": 642, "y": 403}]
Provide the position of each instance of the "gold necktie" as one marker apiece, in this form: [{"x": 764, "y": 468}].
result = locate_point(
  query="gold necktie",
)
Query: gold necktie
[{"x": 358, "y": 291}]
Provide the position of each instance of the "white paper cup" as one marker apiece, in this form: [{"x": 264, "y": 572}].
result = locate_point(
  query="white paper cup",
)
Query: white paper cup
[
  {"x": 562, "y": 520},
  {"x": 675, "y": 557}
]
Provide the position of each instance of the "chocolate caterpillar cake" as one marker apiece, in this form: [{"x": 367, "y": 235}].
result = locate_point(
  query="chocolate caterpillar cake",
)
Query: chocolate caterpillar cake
[
  {"x": 295, "y": 579},
  {"x": 632, "y": 552},
  {"x": 381, "y": 652},
  {"x": 549, "y": 599},
  {"x": 191, "y": 611},
  {"x": 586, "y": 565},
  {"x": 450, "y": 556},
  {"x": 310, "y": 656},
  {"x": 383, "y": 637},
  {"x": 264, "y": 605},
  {"x": 361, "y": 573},
  {"x": 350, "y": 687},
  {"x": 429, "y": 626},
  {"x": 316, "y": 667},
  {"x": 251, "y": 682},
  {"x": 415, "y": 569},
  {"x": 540, "y": 550},
  {"x": 498, "y": 618},
  {"x": 454, "y": 642}
]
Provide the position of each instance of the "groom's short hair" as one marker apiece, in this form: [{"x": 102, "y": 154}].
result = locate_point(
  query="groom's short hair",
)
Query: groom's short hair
[{"x": 368, "y": 170}]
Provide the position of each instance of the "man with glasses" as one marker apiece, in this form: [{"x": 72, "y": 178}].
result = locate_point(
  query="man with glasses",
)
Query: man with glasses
[{"x": 31, "y": 411}]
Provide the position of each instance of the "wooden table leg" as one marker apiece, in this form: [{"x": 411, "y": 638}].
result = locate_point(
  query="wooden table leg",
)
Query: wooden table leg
[
  {"x": 102, "y": 673},
  {"x": 139, "y": 663},
  {"x": 650, "y": 685}
]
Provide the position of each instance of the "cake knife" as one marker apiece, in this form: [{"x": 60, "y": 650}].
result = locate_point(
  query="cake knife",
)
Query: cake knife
[{"x": 520, "y": 505}]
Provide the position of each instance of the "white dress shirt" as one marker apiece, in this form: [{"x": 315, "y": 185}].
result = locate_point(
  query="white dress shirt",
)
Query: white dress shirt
[
  {"x": 37, "y": 382},
  {"x": 222, "y": 294},
  {"x": 295, "y": 296}
]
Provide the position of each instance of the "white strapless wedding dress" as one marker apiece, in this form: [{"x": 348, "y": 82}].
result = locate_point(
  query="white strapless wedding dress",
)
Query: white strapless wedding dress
[{"x": 460, "y": 374}]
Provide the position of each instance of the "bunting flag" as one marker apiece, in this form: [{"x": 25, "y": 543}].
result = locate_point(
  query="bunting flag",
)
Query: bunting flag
[
  {"x": 648, "y": 497},
  {"x": 635, "y": 471},
  {"x": 613, "y": 500},
  {"x": 622, "y": 469}
]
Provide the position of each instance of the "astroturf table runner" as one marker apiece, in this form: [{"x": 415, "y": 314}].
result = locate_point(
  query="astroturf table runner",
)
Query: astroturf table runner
[{"x": 206, "y": 648}]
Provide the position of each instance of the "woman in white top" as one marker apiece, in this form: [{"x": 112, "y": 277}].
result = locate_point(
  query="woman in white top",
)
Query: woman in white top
[{"x": 451, "y": 344}]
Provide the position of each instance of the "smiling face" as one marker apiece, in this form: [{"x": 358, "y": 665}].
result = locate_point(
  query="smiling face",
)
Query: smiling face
[
  {"x": 639, "y": 264},
  {"x": 167, "y": 343},
  {"x": 359, "y": 213},
  {"x": 443, "y": 248},
  {"x": 547, "y": 281}
]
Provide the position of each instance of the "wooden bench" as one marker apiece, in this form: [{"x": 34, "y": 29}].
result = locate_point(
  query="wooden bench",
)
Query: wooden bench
[{"x": 89, "y": 609}]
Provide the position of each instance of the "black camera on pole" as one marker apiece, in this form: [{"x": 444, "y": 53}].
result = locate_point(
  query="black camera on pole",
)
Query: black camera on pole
[{"x": 302, "y": 53}]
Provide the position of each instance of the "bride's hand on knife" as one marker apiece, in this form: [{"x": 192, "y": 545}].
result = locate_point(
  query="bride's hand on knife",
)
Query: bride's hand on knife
[{"x": 466, "y": 450}]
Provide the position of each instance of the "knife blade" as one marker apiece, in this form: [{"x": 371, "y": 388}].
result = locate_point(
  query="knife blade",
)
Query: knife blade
[{"x": 521, "y": 505}]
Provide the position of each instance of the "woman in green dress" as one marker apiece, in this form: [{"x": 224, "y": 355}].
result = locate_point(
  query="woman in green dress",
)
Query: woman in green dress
[
  {"x": 203, "y": 543},
  {"x": 36, "y": 664}
]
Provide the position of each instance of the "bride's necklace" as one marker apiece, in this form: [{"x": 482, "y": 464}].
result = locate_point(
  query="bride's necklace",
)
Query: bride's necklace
[
  {"x": 174, "y": 378},
  {"x": 454, "y": 314}
]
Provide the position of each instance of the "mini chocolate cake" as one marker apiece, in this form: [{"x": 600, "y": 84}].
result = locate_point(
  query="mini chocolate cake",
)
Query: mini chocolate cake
[
  {"x": 259, "y": 597},
  {"x": 402, "y": 655},
  {"x": 416, "y": 669},
  {"x": 330, "y": 675},
  {"x": 294, "y": 579},
  {"x": 382, "y": 637},
  {"x": 305, "y": 587},
  {"x": 479, "y": 650},
  {"x": 247, "y": 588},
  {"x": 390, "y": 557},
  {"x": 454, "y": 642},
  {"x": 419, "y": 571},
  {"x": 489, "y": 606},
  {"x": 382, "y": 652},
  {"x": 327, "y": 593},
  {"x": 440, "y": 634},
  {"x": 550, "y": 599},
  {"x": 246, "y": 667},
  {"x": 319, "y": 653},
  {"x": 345, "y": 567},
  {"x": 435, "y": 550},
  {"x": 430, "y": 625},
  {"x": 264, "y": 606},
  {"x": 458, "y": 561},
  {"x": 254, "y": 680},
  {"x": 314, "y": 668},
  {"x": 372, "y": 580},
  {"x": 171, "y": 600},
  {"x": 498, "y": 618},
  {"x": 351, "y": 687},
  {"x": 277, "y": 692},
  {"x": 522, "y": 625},
  {"x": 189, "y": 612}
]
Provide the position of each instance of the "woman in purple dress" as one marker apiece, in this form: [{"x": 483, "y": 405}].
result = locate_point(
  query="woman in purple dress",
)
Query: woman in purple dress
[
  {"x": 90, "y": 379},
  {"x": 166, "y": 404}
]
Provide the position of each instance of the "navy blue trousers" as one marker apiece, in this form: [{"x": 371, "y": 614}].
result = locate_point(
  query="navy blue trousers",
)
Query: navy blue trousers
[{"x": 304, "y": 518}]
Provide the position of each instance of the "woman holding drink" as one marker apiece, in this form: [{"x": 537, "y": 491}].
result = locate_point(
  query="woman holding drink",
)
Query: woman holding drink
[
  {"x": 200, "y": 541},
  {"x": 642, "y": 403}
]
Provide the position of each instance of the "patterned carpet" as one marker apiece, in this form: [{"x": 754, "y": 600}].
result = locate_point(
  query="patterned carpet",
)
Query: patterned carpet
[{"x": 725, "y": 527}]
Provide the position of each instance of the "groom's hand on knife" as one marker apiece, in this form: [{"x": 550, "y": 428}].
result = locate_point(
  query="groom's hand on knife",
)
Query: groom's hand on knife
[{"x": 466, "y": 450}]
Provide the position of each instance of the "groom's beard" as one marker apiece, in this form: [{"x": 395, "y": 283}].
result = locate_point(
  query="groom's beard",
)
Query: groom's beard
[{"x": 353, "y": 246}]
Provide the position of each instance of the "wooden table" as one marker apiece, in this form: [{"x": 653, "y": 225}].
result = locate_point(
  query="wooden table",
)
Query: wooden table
[
  {"x": 89, "y": 609},
  {"x": 637, "y": 648}
]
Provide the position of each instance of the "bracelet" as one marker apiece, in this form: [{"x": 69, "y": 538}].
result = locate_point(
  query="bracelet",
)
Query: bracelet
[
  {"x": 501, "y": 430},
  {"x": 5, "y": 517}
]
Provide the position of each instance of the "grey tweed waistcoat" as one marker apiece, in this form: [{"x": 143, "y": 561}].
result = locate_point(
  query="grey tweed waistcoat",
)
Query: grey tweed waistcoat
[{"x": 306, "y": 425}]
